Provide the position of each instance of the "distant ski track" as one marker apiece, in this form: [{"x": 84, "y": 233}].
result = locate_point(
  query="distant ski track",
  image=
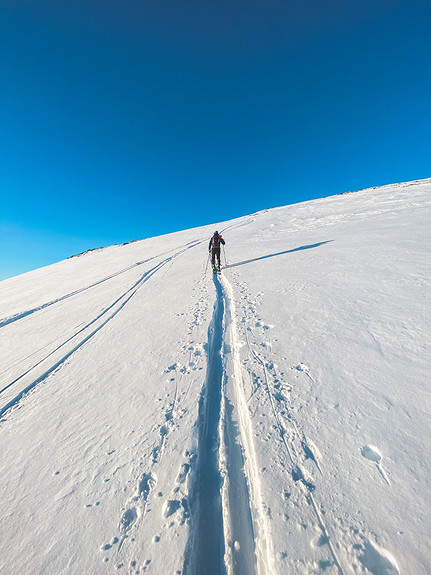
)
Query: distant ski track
[
  {"x": 119, "y": 304},
  {"x": 21, "y": 315},
  {"x": 246, "y": 222},
  {"x": 24, "y": 314}
]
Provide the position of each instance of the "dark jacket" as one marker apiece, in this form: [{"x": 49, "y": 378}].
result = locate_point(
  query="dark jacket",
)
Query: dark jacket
[{"x": 215, "y": 241}]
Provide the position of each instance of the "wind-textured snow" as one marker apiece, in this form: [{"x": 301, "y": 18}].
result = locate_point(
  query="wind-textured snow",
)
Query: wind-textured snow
[{"x": 275, "y": 419}]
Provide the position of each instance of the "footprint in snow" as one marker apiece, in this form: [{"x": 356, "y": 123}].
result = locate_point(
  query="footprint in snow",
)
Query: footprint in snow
[
  {"x": 128, "y": 519},
  {"x": 172, "y": 367},
  {"x": 114, "y": 541},
  {"x": 156, "y": 451},
  {"x": 145, "y": 485},
  {"x": 377, "y": 560},
  {"x": 302, "y": 367},
  {"x": 182, "y": 475},
  {"x": 299, "y": 475},
  {"x": 373, "y": 454},
  {"x": 311, "y": 452},
  {"x": 178, "y": 508},
  {"x": 170, "y": 507}
]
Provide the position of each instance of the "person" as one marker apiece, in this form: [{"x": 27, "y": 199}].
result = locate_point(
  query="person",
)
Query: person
[{"x": 214, "y": 248}]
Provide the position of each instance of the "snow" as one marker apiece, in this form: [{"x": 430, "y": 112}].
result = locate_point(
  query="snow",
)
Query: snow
[{"x": 274, "y": 419}]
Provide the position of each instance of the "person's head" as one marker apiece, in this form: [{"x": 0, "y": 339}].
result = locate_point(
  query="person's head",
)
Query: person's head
[{"x": 216, "y": 233}]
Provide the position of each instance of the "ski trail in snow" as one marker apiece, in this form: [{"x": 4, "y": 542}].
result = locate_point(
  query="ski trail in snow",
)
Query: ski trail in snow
[
  {"x": 118, "y": 305},
  {"x": 23, "y": 314},
  {"x": 206, "y": 547},
  {"x": 239, "y": 532},
  {"x": 308, "y": 449},
  {"x": 246, "y": 221},
  {"x": 263, "y": 543},
  {"x": 131, "y": 291},
  {"x": 222, "y": 538},
  {"x": 281, "y": 427},
  {"x": 324, "y": 529}
]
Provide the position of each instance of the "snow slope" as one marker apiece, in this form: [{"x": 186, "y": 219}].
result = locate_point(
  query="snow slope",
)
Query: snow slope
[{"x": 274, "y": 419}]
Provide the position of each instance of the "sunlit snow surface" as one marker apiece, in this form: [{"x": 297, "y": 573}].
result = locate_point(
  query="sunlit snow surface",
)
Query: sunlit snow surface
[{"x": 111, "y": 381}]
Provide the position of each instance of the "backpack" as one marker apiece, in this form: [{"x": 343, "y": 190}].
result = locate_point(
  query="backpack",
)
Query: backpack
[{"x": 216, "y": 241}]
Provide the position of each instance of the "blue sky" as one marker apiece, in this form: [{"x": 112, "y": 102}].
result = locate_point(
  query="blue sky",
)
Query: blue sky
[{"x": 123, "y": 120}]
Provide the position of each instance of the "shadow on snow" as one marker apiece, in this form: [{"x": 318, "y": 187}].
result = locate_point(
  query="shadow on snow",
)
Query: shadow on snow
[{"x": 309, "y": 247}]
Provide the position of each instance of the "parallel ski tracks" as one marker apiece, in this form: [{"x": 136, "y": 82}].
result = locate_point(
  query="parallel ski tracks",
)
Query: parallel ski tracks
[
  {"x": 207, "y": 545},
  {"x": 77, "y": 340},
  {"x": 222, "y": 541},
  {"x": 306, "y": 486},
  {"x": 263, "y": 545},
  {"x": 23, "y": 314}
]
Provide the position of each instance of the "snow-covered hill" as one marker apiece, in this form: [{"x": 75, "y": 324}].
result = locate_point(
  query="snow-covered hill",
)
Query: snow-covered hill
[{"x": 274, "y": 419}]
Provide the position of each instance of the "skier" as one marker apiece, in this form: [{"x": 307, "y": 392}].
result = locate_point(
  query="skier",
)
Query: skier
[{"x": 214, "y": 248}]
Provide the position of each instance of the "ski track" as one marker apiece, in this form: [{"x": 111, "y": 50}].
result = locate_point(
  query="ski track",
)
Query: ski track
[
  {"x": 299, "y": 448},
  {"x": 297, "y": 456},
  {"x": 205, "y": 548},
  {"x": 116, "y": 306},
  {"x": 218, "y": 482},
  {"x": 263, "y": 540},
  {"x": 21, "y": 315}
]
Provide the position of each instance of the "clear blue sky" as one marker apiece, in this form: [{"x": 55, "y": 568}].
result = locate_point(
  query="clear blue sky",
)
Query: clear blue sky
[{"x": 127, "y": 119}]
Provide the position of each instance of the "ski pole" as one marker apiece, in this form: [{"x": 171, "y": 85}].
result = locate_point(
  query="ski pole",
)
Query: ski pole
[
  {"x": 224, "y": 253},
  {"x": 206, "y": 267}
]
